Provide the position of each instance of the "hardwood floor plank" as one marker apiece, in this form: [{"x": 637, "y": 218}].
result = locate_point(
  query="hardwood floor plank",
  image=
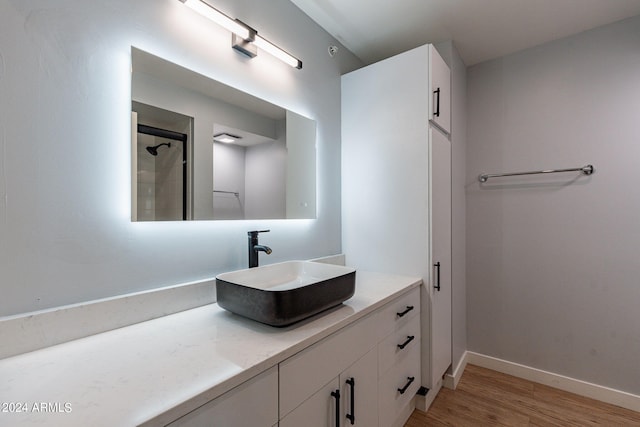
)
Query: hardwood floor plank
[
  {"x": 599, "y": 413},
  {"x": 489, "y": 398},
  {"x": 467, "y": 409}
]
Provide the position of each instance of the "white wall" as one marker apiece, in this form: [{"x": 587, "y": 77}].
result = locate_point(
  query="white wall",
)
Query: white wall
[
  {"x": 228, "y": 175},
  {"x": 65, "y": 229},
  {"x": 552, "y": 262},
  {"x": 266, "y": 181}
]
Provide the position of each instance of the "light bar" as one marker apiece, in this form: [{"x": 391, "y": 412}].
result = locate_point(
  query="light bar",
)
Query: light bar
[
  {"x": 247, "y": 35},
  {"x": 218, "y": 17},
  {"x": 274, "y": 50}
]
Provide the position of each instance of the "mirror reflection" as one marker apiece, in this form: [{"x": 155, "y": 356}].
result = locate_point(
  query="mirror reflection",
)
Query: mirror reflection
[{"x": 202, "y": 150}]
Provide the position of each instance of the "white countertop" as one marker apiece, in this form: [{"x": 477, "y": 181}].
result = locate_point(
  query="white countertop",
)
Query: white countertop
[{"x": 155, "y": 371}]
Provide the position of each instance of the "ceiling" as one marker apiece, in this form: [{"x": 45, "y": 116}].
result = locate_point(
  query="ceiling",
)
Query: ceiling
[{"x": 480, "y": 29}]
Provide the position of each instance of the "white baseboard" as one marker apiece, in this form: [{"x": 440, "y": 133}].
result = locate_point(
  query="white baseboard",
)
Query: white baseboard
[
  {"x": 451, "y": 380},
  {"x": 582, "y": 388}
]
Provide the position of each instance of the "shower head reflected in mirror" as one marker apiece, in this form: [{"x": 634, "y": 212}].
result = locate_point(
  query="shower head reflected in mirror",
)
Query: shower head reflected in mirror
[{"x": 154, "y": 150}]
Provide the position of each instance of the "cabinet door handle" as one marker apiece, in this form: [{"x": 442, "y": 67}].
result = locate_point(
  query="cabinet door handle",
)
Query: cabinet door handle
[
  {"x": 406, "y": 386},
  {"x": 352, "y": 416},
  {"x": 437, "y": 112},
  {"x": 409, "y": 308},
  {"x": 406, "y": 343},
  {"x": 437, "y": 285},
  {"x": 336, "y": 395}
]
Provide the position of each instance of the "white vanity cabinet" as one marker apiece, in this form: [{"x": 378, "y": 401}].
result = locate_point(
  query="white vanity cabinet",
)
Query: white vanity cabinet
[
  {"x": 399, "y": 368},
  {"x": 348, "y": 399},
  {"x": 358, "y": 376},
  {"x": 253, "y": 403},
  {"x": 313, "y": 383},
  {"x": 208, "y": 367}
]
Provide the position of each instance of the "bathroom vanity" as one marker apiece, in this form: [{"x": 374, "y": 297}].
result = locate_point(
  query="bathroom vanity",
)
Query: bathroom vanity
[{"x": 206, "y": 365}]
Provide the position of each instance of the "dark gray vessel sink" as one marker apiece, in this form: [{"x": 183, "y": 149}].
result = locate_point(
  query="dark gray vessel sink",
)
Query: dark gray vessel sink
[{"x": 285, "y": 293}]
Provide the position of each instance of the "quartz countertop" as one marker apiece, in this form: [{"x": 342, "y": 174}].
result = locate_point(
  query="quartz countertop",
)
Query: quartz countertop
[{"x": 154, "y": 372}]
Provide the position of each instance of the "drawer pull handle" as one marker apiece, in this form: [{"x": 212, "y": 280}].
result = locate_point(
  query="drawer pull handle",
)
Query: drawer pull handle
[
  {"x": 406, "y": 343},
  {"x": 336, "y": 395},
  {"x": 352, "y": 416},
  {"x": 409, "y": 308},
  {"x": 406, "y": 386}
]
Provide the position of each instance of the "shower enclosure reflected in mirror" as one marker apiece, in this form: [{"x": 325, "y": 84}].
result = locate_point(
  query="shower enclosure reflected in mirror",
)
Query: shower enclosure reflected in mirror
[
  {"x": 202, "y": 150},
  {"x": 160, "y": 164}
]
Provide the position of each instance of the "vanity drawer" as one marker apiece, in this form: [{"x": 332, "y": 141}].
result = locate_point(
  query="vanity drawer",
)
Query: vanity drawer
[
  {"x": 398, "y": 344},
  {"x": 399, "y": 313},
  {"x": 303, "y": 374},
  {"x": 391, "y": 401}
]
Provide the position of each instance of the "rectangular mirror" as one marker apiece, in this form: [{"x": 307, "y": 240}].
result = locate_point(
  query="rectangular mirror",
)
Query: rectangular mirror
[{"x": 202, "y": 150}]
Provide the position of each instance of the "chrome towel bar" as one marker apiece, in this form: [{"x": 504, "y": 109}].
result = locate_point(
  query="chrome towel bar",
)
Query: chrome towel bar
[
  {"x": 587, "y": 170},
  {"x": 235, "y": 193}
]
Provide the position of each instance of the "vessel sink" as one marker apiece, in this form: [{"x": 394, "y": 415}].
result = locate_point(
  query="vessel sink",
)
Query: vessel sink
[{"x": 285, "y": 293}]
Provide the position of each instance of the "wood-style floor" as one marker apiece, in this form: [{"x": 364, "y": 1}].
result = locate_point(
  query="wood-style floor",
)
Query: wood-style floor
[{"x": 489, "y": 398}]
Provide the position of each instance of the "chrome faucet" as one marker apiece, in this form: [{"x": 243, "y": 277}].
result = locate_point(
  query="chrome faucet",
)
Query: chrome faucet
[{"x": 254, "y": 247}]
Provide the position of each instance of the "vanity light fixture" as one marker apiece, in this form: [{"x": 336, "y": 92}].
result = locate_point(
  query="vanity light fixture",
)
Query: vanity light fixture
[
  {"x": 244, "y": 38},
  {"x": 274, "y": 50},
  {"x": 227, "y": 138}
]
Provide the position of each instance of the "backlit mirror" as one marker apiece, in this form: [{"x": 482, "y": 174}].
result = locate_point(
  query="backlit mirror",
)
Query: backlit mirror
[{"x": 202, "y": 150}]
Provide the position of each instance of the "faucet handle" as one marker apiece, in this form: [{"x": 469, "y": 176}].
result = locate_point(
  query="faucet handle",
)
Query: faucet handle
[{"x": 255, "y": 233}]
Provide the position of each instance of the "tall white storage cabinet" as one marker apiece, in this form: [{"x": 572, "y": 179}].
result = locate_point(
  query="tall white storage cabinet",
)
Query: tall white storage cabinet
[{"x": 396, "y": 185}]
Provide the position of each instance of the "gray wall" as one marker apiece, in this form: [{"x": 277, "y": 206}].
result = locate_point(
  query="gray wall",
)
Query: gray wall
[
  {"x": 65, "y": 229},
  {"x": 552, "y": 262}
]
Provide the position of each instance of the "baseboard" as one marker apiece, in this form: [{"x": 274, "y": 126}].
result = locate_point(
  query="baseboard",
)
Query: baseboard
[
  {"x": 582, "y": 388},
  {"x": 451, "y": 380}
]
